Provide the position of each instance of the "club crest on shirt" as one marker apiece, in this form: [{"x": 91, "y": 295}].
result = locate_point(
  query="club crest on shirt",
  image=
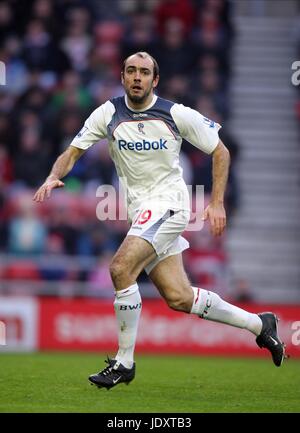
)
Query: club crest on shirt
[{"x": 141, "y": 128}]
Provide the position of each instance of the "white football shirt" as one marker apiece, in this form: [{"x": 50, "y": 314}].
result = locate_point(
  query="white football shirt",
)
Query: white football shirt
[{"x": 145, "y": 146}]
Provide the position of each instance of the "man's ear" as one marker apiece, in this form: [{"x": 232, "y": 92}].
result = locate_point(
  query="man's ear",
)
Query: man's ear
[
  {"x": 122, "y": 77},
  {"x": 155, "y": 81}
]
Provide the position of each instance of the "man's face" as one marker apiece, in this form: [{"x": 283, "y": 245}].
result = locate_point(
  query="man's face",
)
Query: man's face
[{"x": 137, "y": 78}]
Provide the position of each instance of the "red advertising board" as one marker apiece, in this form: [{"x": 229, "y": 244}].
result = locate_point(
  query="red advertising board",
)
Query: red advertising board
[
  {"x": 90, "y": 325},
  {"x": 18, "y": 323}
]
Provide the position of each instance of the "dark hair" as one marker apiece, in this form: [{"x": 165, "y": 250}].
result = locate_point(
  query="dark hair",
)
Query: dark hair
[{"x": 143, "y": 55}]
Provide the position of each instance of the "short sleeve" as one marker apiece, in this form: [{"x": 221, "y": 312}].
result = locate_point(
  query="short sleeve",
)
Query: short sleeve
[
  {"x": 95, "y": 127},
  {"x": 195, "y": 128}
]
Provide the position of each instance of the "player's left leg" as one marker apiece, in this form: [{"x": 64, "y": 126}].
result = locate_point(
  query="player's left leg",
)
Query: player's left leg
[{"x": 172, "y": 282}]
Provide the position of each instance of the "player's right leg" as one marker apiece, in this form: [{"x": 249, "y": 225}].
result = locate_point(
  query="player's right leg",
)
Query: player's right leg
[{"x": 130, "y": 259}]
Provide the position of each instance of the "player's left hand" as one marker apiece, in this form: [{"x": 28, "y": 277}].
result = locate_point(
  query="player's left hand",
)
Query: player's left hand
[{"x": 216, "y": 214}]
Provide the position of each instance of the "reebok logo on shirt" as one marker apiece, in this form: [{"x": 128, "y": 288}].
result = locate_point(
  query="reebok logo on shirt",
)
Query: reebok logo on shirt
[{"x": 142, "y": 145}]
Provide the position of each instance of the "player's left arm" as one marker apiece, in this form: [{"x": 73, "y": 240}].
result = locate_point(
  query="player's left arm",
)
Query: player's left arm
[
  {"x": 215, "y": 211},
  {"x": 202, "y": 133}
]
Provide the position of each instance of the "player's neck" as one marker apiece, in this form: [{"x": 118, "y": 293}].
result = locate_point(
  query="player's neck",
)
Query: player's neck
[{"x": 140, "y": 105}]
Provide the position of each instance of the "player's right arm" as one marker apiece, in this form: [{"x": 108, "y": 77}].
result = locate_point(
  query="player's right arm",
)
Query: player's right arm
[
  {"x": 95, "y": 128},
  {"x": 62, "y": 166}
]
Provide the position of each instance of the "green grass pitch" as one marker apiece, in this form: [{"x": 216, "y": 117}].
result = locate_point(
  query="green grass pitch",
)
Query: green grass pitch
[{"x": 57, "y": 382}]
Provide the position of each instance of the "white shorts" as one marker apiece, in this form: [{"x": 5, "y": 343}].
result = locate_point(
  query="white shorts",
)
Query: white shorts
[{"x": 161, "y": 226}]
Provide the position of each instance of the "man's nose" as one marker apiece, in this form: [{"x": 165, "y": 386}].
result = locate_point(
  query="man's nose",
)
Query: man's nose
[{"x": 137, "y": 76}]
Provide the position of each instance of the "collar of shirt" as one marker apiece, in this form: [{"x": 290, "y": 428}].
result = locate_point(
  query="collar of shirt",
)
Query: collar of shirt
[{"x": 154, "y": 99}]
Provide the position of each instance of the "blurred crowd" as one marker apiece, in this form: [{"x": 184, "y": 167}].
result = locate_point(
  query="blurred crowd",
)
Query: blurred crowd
[
  {"x": 295, "y": 33},
  {"x": 62, "y": 60}
]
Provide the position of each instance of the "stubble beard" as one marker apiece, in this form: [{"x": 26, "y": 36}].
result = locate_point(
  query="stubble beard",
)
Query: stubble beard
[{"x": 138, "y": 99}]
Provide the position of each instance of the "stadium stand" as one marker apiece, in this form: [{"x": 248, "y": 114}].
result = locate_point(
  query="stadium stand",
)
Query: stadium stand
[{"x": 63, "y": 59}]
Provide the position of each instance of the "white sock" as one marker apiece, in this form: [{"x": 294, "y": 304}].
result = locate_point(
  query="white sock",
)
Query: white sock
[
  {"x": 128, "y": 305},
  {"x": 208, "y": 305}
]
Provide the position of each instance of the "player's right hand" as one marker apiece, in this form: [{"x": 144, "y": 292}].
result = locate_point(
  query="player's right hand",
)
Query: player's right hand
[{"x": 44, "y": 191}]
